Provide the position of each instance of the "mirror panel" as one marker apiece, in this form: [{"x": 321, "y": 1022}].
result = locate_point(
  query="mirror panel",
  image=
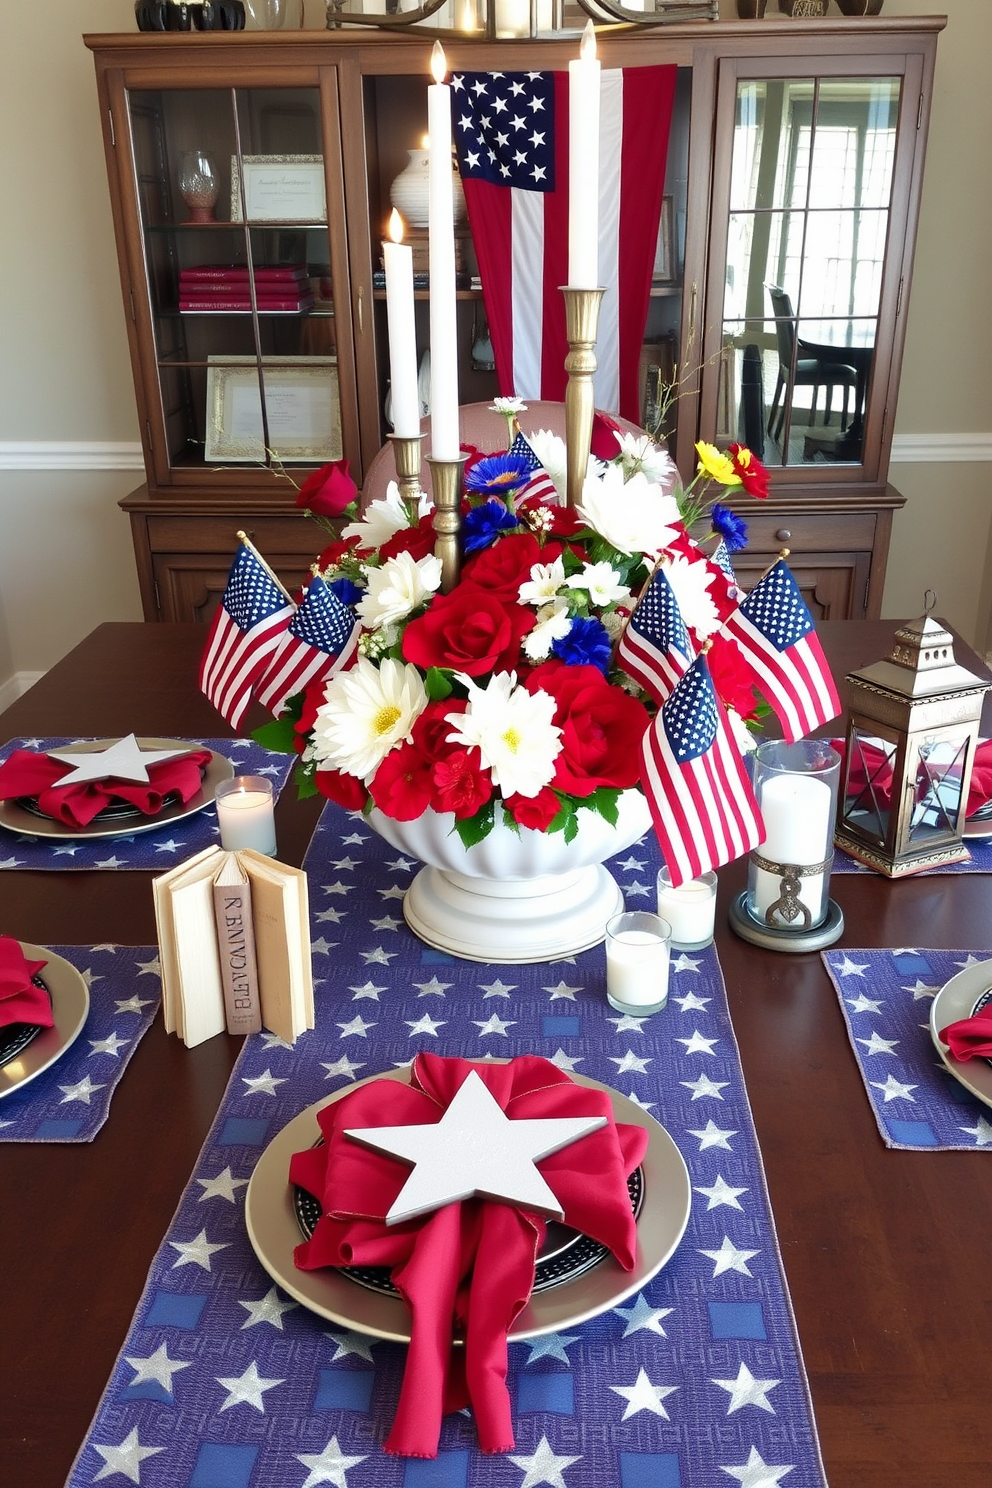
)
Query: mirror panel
[{"x": 811, "y": 186}]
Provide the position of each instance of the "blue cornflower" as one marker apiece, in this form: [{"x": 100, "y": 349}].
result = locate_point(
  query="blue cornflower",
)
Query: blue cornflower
[
  {"x": 497, "y": 475},
  {"x": 347, "y": 592},
  {"x": 732, "y": 528},
  {"x": 587, "y": 644},
  {"x": 483, "y": 524}
]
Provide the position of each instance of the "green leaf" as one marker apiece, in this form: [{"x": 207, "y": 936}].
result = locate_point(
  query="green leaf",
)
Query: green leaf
[
  {"x": 303, "y": 779},
  {"x": 473, "y": 829},
  {"x": 564, "y": 818},
  {"x": 604, "y": 802},
  {"x": 277, "y": 735},
  {"x": 437, "y": 684},
  {"x": 571, "y": 828}
]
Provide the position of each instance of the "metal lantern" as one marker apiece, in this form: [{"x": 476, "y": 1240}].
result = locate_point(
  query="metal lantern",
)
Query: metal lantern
[{"x": 910, "y": 748}]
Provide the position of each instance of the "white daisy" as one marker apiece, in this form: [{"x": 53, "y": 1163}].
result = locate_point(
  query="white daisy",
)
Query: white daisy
[
  {"x": 544, "y": 582},
  {"x": 366, "y": 712},
  {"x": 398, "y": 588},
  {"x": 634, "y": 516},
  {"x": 508, "y": 405},
  {"x": 553, "y": 624},
  {"x": 690, "y": 584},
  {"x": 602, "y": 582},
  {"x": 639, "y": 453},
  {"x": 381, "y": 519},
  {"x": 513, "y": 731},
  {"x": 550, "y": 450}
]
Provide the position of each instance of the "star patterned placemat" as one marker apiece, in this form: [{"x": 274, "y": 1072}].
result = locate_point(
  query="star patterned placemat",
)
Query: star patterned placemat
[
  {"x": 155, "y": 849},
  {"x": 695, "y": 1381},
  {"x": 70, "y": 1101},
  {"x": 885, "y": 997}
]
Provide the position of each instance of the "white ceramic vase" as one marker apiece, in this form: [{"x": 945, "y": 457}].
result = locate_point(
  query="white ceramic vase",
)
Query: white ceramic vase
[
  {"x": 516, "y": 896},
  {"x": 410, "y": 191}
]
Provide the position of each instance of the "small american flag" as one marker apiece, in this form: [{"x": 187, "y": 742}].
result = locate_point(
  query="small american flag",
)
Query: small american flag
[
  {"x": 540, "y": 486},
  {"x": 721, "y": 557},
  {"x": 655, "y": 648},
  {"x": 701, "y": 800},
  {"x": 247, "y": 629},
  {"x": 774, "y": 632},
  {"x": 321, "y": 639}
]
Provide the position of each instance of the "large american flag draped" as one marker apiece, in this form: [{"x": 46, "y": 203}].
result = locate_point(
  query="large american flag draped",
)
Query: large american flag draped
[
  {"x": 247, "y": 629},
  {"x": 321, "y": 639},
  {"x": 511, "y": 132},
  {"x": 655, "y": 648},
  {"x": 773, "y": 631},
  {"x": 701, "y": 800}
]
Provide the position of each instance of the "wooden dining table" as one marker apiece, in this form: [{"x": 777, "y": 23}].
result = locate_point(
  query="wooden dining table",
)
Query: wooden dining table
[{"x": 885, "y": 1251}]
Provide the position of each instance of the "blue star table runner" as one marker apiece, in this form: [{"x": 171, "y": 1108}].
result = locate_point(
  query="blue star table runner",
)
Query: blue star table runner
[
  {"x": 70, "y": 1101},
  {"x": 885, "y": 997},
  {"x": 696, "y": 1381},
  {"x": 156, "y": 848}
]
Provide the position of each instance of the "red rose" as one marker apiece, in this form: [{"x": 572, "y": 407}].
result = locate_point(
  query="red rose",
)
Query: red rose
[
  {"x": 347, "y": 790},
  {"x": 504, "y": 566},
  {"x": 417, "y": 541},
  {"x": 732, "y": 677},
  {"x": 749, "y": 470},
  {"x": 536, "y": 812},
  {"x": 334, "y": 552},
  {"x": 601, "y": 726},
  {"x": 605, "y": 437},
  {"x": 328, "y": 491},
  {"x": 468, "y": 630}
]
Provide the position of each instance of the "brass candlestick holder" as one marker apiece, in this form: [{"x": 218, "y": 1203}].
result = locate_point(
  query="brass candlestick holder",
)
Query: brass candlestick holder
[
  {"x": 446, "y": 479},
  {"x": 406, "y": 457},
  {"x": 581, "y": 325}
]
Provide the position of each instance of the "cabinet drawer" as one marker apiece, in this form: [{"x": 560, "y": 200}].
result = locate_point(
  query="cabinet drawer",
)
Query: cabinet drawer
[
  {"x": 809, "y": 532},
  {"x": 219, "y": 534}
]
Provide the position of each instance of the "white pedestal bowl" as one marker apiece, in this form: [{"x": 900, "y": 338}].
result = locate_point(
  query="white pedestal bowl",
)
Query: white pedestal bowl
[{"x": 516, "y": 896}]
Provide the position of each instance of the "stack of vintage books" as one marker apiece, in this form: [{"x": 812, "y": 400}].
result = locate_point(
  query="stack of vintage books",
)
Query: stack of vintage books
[{"x": 222, "y": 289}]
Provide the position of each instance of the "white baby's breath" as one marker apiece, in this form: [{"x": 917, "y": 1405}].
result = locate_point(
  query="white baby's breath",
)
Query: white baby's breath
[
  {"x": 366, "y": 712},
  {"x": 398, "y": 588},
  {"x": 513, "y": 731}
]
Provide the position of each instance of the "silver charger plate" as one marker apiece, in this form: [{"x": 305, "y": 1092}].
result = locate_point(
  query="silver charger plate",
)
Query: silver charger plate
[
  {"x": 274, "y": 1232},
  {"x": 70, "y": 1007},
  {"x": 961, "y": 998},
  {"x": 17, "y": 818}
]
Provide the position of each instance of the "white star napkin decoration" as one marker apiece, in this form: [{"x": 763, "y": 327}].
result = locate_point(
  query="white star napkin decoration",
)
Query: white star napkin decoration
[
  {"x": 124, "y": 760},
  {"x": 475, "y": 1149}
]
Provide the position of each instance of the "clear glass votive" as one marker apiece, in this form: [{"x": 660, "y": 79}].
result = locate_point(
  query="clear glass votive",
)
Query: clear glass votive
[
  {"x": 246, "y": 814},
  {"x": 637, "y": 961},
  {"x": 788, "y": 885},
  {"x": 690, "y": 909}
]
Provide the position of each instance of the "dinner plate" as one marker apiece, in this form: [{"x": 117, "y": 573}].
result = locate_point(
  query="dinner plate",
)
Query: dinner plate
[
  {"x": 274, "y": 1231},
  {"x": 70, "y": 1006},
  {"x": 17, "y": 818},
  {"x": 957, "y": 999}
]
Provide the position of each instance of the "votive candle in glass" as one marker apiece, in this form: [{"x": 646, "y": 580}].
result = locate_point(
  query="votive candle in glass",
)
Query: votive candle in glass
[
  {"x": 637, "y": 962},
  {"x": 796, "y": 789},
  {"x": 246, "y": 814},
  {"x": 690, "y": 909}
]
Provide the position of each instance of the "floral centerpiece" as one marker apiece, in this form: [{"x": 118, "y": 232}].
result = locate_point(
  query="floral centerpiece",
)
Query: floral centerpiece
[{"x": 504, "y": 699}]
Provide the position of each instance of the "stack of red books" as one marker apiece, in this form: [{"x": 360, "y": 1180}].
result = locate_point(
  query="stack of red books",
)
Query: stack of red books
[{"x": 221, "y": 288}]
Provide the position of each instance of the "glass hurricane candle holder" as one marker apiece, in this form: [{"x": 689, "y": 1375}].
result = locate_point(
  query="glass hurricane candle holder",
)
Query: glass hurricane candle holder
[
  {"x": 787, "y": 905},
  {"x": 199, "y": 185}
]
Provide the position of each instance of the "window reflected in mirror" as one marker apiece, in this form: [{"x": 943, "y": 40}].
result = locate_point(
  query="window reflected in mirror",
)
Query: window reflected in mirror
[{"x": 811, "y": 184}]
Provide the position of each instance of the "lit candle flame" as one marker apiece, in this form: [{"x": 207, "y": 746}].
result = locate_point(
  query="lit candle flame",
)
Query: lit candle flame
[
  {"x": 395, "y": 226},
  {"x": 439, "y": 65},
  {"x": 425, "y": 143},
  {"x": 587, "y": 46}
]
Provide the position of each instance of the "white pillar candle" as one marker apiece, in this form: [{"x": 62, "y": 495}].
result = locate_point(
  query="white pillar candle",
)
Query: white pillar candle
[
  {"x": 441, "y": 243},
  {"x": 796, "y": 810},
  {"x": 690, "y": 909},
  {"x": 397, "y": 260},
  {"x": 245, "y": 814},
  {"x": 637, "y": 961},
  {"x": 583, "y": 165}
]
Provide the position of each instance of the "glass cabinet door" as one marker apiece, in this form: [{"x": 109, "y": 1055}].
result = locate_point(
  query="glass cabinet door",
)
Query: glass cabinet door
[
  {"x": 232, "y": 204},
  {"x": 807, "y": 240}
]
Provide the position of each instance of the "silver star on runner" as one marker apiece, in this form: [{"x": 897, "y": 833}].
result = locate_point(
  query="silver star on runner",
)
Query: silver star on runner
[
  {"x": 247, "y": 1388},
  {"x": 542, "y": 1466},
  {"x": 126, "y": 1458},
  {"x": 329, "y": 1466},
  {"x": 746, "y": 1390},
  {"x": 123, "y": 760},
  {"x": 157, "y": 1368},
  {"x": 223, "y": 1186},
  {"x": 268, "y": 1309},
  {"x": 642, "y": 1395}
]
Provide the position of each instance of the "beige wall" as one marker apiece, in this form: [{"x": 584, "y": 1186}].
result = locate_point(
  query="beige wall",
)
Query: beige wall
[{"x": 65, "y": 375}]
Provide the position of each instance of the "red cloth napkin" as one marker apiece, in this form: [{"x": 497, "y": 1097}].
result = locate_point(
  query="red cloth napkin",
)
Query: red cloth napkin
[
  {"x": 20, "y": 1001},
  {"x": 880, "y": 772},
  {"x": 970, "y": 1038},
  {"x": 470, "y": 1265},
  {"x": 27, "y": 773}
]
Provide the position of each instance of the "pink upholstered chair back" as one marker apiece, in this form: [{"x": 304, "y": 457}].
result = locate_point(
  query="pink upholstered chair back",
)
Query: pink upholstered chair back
[{"x": 478, "y": 426}]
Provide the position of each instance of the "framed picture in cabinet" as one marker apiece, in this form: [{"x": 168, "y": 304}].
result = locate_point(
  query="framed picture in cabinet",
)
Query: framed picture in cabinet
[
  {"x": 279, "y": 188},
  {"x": 665, "y": 267},
  {"x": 302, "y": 411}
]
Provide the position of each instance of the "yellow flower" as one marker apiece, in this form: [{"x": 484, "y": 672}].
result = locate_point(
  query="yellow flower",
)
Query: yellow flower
[{"x": 716, "y": 465}]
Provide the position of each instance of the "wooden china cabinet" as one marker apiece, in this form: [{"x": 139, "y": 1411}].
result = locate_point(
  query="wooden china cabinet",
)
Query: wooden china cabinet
[{"x": 795, "y": 163}]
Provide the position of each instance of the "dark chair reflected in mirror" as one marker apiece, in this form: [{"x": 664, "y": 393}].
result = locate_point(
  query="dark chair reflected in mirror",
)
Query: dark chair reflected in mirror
[{"x": 796, "y": 370}]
